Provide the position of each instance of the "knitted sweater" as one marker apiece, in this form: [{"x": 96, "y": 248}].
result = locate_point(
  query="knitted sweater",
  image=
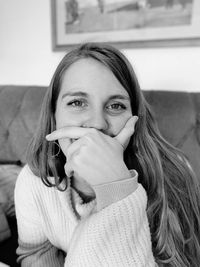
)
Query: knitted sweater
[{"x": 56, "y": 229}]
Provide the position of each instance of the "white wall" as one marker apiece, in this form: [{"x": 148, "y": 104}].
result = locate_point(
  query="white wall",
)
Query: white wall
[{"x": 26, "y": 55}]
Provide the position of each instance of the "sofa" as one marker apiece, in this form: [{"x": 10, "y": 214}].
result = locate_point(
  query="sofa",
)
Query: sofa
[{"x": 177, "y": 114}]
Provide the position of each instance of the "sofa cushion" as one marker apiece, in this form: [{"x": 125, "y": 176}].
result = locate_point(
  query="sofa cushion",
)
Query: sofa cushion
[
  {"x": 8, "y": 177},
  {"x": 19, "y": 112},
  {"x": 178, "y": 117}
]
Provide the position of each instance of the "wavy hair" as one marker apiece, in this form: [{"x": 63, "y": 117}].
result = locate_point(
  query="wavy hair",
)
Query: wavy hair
[{"x": 172, "y": 188}]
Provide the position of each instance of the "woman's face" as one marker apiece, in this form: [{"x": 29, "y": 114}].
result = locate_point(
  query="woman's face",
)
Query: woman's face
[{"x": 91, "y": 96}]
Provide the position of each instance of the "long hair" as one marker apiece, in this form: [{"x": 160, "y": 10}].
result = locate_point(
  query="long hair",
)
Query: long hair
[{"x": 173, "y": 207}]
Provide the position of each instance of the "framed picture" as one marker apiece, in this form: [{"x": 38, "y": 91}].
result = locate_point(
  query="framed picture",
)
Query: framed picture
[{"x": 126, "y": 23}]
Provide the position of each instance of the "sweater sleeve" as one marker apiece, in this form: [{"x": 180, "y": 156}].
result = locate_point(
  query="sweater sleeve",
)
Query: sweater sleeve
[
  {"x": 109, "y": 193},
  {"x": 34, "y": 248},
  {"x": 117, "y": 235}
]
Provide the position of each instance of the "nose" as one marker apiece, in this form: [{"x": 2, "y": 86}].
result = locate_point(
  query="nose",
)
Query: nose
[{"x": 98, "y": 121}]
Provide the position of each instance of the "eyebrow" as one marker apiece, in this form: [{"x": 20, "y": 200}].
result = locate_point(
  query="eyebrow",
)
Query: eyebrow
[
  {"x": 79, "y": 93},
  {"x": 123, "y": 97},
  {"x": 83, "y": 94}
]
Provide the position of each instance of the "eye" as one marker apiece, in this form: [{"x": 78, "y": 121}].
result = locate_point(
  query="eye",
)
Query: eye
[
  {"x": 116, "y": 107},
  {"x": 77, "y": 103}
]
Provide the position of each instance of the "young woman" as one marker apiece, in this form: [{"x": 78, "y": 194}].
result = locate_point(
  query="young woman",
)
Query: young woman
[{"x": 102, "y": 187}]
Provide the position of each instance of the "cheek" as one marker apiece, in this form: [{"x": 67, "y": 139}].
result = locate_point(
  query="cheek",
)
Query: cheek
[{"x": 63, "y": 118}]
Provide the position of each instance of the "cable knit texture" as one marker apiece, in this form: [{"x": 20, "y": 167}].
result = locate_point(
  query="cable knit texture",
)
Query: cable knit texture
[{"x": 57, "y": 229}]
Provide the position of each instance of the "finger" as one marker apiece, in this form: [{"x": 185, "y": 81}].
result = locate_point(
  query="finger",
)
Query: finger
[
  {"x": 68, "y": 169},
  {"x": 74, "y": 148},
  {"x": 124, "y": 136},
  {"x": 69, "y": 132},
  {"x": 64, "y": 144}
]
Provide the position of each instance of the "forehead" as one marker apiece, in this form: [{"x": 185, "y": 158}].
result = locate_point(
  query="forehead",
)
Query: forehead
[{"x": 91, "y": 76}]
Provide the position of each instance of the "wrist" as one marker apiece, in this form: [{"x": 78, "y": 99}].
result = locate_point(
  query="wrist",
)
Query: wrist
[
  {"x": 122, "y": 173},
  {"x": 84, "y": 189},
  {"x": 115, "y": 175}
]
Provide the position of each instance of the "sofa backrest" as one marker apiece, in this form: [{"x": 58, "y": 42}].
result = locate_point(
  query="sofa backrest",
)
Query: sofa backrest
[
  {"x": 178, "y": 118},
  {"x": 19, "y": 113},
  {"x": 177, "y": 114}
]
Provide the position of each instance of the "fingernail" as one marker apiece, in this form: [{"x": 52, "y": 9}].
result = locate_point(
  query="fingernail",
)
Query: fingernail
[{"x": 136, "y": 118}]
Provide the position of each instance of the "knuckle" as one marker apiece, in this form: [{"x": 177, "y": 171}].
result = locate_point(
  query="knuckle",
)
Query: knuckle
[{"x": 89, "y": 136}]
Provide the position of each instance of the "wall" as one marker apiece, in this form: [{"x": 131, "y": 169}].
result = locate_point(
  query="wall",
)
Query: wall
[{"x": 26, "y": 55}]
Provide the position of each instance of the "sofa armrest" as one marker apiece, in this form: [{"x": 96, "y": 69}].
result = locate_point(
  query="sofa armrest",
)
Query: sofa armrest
[{"x": 5, "y": 232}]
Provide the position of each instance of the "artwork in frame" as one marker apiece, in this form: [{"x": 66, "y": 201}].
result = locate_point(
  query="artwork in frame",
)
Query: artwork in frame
[{"x": 126, "y": 23}]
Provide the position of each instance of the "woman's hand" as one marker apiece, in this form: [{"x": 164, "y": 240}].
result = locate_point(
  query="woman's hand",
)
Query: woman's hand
[{"x": 96, "y": 157}]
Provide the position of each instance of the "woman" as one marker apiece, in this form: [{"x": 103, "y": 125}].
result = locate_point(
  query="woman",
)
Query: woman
[{"x": 114, "y": 192}]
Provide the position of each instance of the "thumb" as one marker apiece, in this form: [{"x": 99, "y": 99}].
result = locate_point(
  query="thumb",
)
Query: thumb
[
  {"x": 68, "y": 169},
  {"x": 125, "y": 134}
]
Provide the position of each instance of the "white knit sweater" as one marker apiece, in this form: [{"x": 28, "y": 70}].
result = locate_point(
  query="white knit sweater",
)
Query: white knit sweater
[{"x": 111, "y": 230}]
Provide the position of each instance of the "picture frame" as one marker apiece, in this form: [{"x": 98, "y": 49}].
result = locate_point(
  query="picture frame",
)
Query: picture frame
[{"x": 173, "y": 25}]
